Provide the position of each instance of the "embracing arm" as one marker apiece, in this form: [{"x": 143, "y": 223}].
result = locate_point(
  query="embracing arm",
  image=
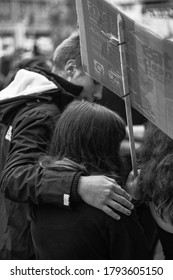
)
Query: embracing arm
[{"x": 23, "y": 180}]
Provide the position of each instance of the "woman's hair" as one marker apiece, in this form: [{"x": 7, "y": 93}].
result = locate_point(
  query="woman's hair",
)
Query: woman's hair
[
  {"x": 87, "y": 137},
  {"x": 156, "y": 176}
]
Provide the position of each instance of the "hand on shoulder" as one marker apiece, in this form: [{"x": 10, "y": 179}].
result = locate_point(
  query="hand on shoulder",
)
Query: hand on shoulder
[{"x": 104, "y": 193}]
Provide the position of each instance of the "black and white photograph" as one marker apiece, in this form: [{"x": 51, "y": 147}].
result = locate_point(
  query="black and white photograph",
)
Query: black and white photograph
[{"x": 86, "y": 139}]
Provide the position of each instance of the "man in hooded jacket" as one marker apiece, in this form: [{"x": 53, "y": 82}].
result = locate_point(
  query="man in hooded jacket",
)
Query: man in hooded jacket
[{"x": 29, "y": 107}]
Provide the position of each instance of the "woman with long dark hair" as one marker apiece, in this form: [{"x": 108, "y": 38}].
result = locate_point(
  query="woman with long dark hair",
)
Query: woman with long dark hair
[
  {"x": 155, "y": 182},
  {"x": 87, "y": 138}
]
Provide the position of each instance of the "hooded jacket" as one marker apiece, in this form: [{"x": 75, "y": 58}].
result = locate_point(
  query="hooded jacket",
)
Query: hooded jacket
[{"x": 29, "y": 107}]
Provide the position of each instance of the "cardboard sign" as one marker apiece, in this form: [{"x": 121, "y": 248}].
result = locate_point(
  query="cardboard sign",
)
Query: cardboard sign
[
  {"x": 98, "y": 28},
  {"x": 149, "y": 60}
]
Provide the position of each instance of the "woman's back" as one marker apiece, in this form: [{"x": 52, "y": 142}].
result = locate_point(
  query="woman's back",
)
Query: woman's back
[
  {"x": 86, "y": 233},
  {"x": 87, "y": 139}
]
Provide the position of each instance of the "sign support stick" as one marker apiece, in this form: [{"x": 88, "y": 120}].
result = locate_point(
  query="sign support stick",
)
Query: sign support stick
[{"x": 126, "y": 96}]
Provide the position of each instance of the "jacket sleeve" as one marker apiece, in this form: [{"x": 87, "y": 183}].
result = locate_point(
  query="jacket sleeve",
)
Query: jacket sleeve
[{"x": 23, "y": 180}]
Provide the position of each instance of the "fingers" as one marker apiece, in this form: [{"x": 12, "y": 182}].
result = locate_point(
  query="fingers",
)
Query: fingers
[
  {"x": 114, "y": 214},
  {"x": 121, "y": 200},
  {"x": 120, "y": 208},
  {"x": 118, "y": 200},
  {"x": 107, "y": 196},
  {"x": 117, "y": 207},
  {"x": 111, "y": 180},
  {"x": 111, "y": 213},
  {"x": 118, "y": 189}
]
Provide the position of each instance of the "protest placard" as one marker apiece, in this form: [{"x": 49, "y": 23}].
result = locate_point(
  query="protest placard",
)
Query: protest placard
[{"x": 149, "y": 60}]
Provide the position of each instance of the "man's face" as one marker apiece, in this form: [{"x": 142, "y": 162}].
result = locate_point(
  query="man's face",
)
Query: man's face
[{"x": 92, "y": 90}]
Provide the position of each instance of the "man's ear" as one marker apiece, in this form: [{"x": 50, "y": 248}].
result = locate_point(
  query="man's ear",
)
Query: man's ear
[{"x": 70, "y": 68}]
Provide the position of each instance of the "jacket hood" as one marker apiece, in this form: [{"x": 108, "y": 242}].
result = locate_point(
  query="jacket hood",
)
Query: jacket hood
[
  {"x": 31, "y": 85},
  {"x": 26, "y": 83}
]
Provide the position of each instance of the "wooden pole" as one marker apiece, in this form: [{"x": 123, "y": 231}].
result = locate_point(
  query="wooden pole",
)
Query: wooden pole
[{"x": 122, "y": 48}]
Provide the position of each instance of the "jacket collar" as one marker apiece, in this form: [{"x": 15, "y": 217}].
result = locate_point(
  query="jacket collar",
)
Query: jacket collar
[{"x": 59, "y": 81}]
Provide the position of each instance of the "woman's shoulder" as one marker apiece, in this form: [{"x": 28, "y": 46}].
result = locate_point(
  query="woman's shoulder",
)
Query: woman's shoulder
[{"x": 166, "y": 225}]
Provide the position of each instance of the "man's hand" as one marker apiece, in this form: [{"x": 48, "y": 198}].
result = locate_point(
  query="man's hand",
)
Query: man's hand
[{"x": 104, "y": 193}]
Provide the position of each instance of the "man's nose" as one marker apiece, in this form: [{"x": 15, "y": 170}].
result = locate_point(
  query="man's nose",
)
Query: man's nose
[{"x": 98, "y": 92}]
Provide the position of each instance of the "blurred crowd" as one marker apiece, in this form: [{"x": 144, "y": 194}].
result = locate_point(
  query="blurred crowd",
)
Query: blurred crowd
[{"x": 21, "y": 58}]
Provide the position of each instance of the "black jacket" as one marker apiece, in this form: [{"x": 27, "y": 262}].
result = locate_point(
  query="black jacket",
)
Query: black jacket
[
  {"x": 29, "y": 107},
  {"x": 86, "y": 233}
]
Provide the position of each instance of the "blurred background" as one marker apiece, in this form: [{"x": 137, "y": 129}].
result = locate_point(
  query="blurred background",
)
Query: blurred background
[{"x": 33, "y": 28}]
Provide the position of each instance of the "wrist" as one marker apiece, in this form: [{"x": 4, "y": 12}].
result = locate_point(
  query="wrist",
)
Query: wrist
[
  {"x": 75, "y": 194},
  {"x": 81, "y": 183}
]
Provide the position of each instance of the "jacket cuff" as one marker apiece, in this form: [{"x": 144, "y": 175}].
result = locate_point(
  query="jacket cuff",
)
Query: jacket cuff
[{"x": 74, "y": 196}]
